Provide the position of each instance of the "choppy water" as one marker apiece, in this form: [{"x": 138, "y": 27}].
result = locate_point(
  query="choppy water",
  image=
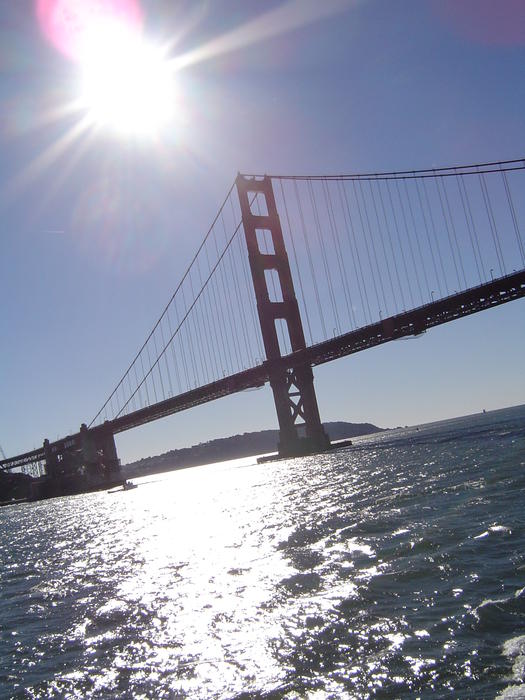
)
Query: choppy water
[{"x": 393, "y": 569}]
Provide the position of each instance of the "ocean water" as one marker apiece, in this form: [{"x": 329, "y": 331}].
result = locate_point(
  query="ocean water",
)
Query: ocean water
[{"x": 391, "y": 569}]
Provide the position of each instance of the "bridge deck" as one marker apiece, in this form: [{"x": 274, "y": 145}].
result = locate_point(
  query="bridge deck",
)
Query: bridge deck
[{"x": 409, "y": 323}]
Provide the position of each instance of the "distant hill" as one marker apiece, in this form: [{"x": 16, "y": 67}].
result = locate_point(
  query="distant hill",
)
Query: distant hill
[{"x": 245, "y": 445}]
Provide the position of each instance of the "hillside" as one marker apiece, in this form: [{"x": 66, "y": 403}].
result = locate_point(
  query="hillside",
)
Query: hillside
[{"x": 245, "y": 445}]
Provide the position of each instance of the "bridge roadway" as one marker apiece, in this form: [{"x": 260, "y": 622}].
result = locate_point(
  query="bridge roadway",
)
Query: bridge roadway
[{"x": 409, "y": 323}]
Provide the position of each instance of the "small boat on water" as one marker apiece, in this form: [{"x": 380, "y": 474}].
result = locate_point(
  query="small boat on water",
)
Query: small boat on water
[{"x": 126, "y": 486}]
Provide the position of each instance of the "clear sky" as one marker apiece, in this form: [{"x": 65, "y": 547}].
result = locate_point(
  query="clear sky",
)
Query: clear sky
[{"x": 98, "y": 225}]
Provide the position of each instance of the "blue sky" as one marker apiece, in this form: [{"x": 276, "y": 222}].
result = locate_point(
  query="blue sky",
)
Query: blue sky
[{"x": 94, "y": 240}]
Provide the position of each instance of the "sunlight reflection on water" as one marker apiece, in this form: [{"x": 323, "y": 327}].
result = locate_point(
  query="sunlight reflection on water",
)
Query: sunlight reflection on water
[{"x": 355, "y": 574}]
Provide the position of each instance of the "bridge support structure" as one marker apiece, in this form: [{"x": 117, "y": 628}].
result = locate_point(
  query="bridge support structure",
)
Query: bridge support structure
[
  {"x": 92, "y": 453},
  {"x": 293, "y": 389},
  {"x": 98, "y": 450}
]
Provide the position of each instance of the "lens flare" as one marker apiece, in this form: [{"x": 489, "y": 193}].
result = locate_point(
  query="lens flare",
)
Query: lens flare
[{"x": 70, "y": 24}]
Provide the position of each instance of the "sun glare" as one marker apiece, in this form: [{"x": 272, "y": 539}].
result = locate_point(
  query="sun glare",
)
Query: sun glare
[{"x": 127, "y": 84}]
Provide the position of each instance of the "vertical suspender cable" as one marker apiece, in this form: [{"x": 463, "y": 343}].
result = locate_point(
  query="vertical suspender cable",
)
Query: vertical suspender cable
[
  {"x": 374, "y": 253},
  {"x": 175, "y": 362},
  {"x": 392, "y": 251},
  {"x": 443, "y": 212},
  {"x": 190, "y": 333},
  {"x": 468, "y": 225},
  {"x": 382, "y": 239},
  {"x": 400, "y": 242},
  {"x": 201, "y": 310},
  {"x": 472, "y": 225},
  {"x": 144, "y": 379},
  {"x": 140, "y": 401},
  {"x": 492, "y": 223},
  {"x": 197, "y": 325},
  {"x": 350, "y": 234},
  {"x": 416, "y": 236},
  {"x": 182, "y": 348},
  {"x": 436, "y": 239},
  {"x": 320, "y": 240},
  {"x": 150, "y": 365},
  {"x": 309, "y": 254},
  {"x": 209, "y": 329},
  {"x": 166, "y": 360},
  {"x": 363, "y": 232},
  {"x": 242, "y": 313},
  {"x": 228, "y": 315},
  {"x": 294, "y": 252},
  {"x": 339, "y": 256},
  {"x": 513, "y": 215},
  {"x": 460, "y": 257},
  {"x": 223, "y": 360},
  {"x": 158, "y": 367},
  {"x": 409, "y": 241}
]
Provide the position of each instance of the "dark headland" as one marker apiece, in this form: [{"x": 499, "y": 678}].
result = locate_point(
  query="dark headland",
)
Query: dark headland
[{"x": 234, "y": 447}]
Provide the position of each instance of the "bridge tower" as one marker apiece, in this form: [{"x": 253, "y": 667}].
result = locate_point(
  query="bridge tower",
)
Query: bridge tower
[
  {"x": 293, "y": 389},
  {"x": 98, "y": 449}
]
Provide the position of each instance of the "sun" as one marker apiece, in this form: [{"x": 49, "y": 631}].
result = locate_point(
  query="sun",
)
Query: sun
[{"x": 125, "y": 83}]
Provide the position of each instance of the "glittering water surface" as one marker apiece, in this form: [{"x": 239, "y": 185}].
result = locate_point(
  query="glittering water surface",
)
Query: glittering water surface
[{"x": 392, "y": 569}]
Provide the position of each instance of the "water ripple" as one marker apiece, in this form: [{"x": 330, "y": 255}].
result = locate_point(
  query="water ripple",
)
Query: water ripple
[{"x": 393, "y": 569}]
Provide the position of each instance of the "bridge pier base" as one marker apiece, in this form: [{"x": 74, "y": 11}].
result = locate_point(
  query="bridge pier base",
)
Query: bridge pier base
[
  {"x": 51, "y": 460},
  {"x": 80, "y": 463},
  {"x": 99, "y": 452},
  {"x": 294, "y": 396},
  {"x": 300, "y": 429}
]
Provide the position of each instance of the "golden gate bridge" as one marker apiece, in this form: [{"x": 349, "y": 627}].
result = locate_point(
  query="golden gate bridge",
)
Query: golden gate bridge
[{"x": 296, "y": 271}]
